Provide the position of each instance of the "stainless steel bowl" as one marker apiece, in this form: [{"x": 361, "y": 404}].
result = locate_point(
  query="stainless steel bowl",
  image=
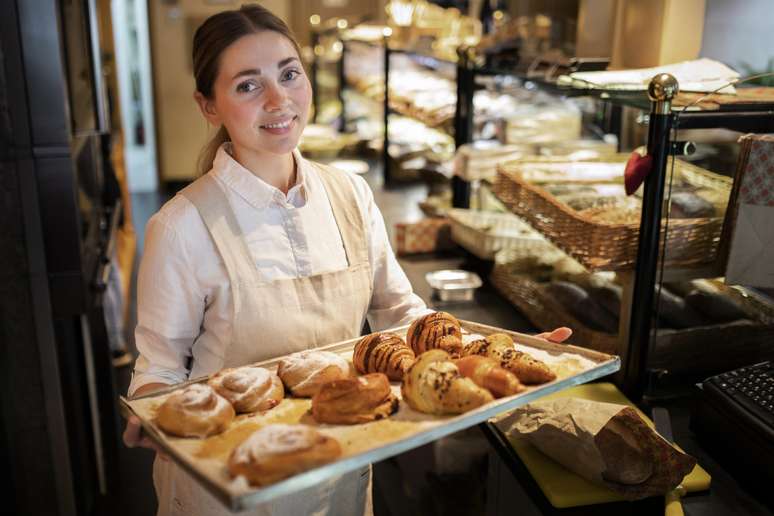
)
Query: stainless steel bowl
[{"x": 453, "y": 285}]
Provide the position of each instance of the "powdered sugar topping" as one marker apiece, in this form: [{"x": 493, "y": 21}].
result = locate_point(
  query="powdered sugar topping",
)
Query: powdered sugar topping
[{"x": 274, "y": 440}]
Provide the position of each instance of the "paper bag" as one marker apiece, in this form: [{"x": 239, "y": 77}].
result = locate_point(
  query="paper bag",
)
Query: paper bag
[
  {"x": 748, "y": 237},
  {"x": 604, "y": 443}
]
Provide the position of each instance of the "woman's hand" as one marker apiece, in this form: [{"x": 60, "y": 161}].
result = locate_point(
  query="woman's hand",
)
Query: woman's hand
[
  {"x": 133, "y": 438},
  {"x": 558, "y": 335},
  {"x": 133, "y": 435}
]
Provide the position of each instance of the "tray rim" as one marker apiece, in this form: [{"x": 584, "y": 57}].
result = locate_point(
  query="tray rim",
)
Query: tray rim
[{"x": 606, "y": 364}]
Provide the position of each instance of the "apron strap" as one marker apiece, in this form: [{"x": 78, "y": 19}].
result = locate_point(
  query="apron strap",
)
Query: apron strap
[
  {"x": 349, "y": 219},
  {"x": 210, "y": 200}
]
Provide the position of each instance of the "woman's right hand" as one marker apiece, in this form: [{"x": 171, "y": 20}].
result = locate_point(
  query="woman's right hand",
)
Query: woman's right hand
[
  {"x": 134, "y": 437},
  {"x": 133, "y": 434}
]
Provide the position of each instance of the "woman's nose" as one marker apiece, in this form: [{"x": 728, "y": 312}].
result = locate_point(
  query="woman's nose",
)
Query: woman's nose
[{"x": 276, "y": 98}]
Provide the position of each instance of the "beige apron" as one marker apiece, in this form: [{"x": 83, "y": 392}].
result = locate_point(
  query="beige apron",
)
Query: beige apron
[{"x": 273, "y": 319}]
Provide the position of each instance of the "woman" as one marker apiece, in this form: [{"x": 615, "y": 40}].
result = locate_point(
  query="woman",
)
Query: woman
[{"x": 264, "y": 255}]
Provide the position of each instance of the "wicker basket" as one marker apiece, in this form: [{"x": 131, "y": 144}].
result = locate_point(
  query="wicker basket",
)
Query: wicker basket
[
  {"x": 699, "y": 351},
  {"x": 602, "y": 245},
  {"x": 486, "y": 233}
]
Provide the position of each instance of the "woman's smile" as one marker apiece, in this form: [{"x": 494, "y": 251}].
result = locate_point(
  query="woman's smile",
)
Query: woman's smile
[{"x": 281, "y": 126}]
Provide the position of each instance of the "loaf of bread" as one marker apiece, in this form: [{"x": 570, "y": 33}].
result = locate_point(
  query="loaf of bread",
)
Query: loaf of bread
[
  {"x": 675, "y": 313},
  {"x": 278, "y": 451},
  {"x": 577, "y": 302},
  {"x": 195, "y": 411},
  {"x": 686, "y": 205},
  {"x": 384, "y": 353},
  {"x": 716, "y": 306},
  {"x": 354, "y": 400},
  {"x": 434, "y": 331}
]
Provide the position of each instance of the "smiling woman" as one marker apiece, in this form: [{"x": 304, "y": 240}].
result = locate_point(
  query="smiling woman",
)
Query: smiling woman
[
  {"x": 250, "y": 83},
  {"x": 209, "y": 298}
]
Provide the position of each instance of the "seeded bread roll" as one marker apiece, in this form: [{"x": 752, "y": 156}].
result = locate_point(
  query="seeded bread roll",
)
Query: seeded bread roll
[{"x": 434, "y": 385}]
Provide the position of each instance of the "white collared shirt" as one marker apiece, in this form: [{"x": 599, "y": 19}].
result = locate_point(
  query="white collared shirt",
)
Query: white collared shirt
[{"x": 183, "y": 292}]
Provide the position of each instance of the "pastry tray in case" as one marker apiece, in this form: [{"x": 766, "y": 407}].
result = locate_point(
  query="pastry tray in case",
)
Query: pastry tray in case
[{"x": 362, "y": 444}]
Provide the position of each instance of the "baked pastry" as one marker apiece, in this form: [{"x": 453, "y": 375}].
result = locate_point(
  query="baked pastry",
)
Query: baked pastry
[
  {"x": 354, "y": 400},
  {"x": 434, "y": 385},
  {"x": 427, "y": 332},
  {"x": 195, "y": 411},
  {"x": 499, "y": 346},
  {"x": 383, "y": 353},
  {"x": 278, "y": 451},
  {"x": 487, "y": 373},
  {"x": 304, "y": 372},
  {"x": 248, "y": 389}
]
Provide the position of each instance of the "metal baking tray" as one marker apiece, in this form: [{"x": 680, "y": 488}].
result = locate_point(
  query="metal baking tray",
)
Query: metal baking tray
[
  {"x": 453, "y": 285},
  {"x": 362, "y": 444}
]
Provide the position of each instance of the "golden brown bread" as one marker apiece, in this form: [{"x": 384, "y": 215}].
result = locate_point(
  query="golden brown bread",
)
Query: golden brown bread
[
  {"x": 354, "y": 400},
  {"x": 249, "y": 388},
  {"x": 383, "y": 353},
  {"x": 625, "y": 460},
  {"x": 487, "y": 373},
  {"x": 195, "y": 411},
  {"x": 427, "y": 332},
  {"x": 278, "y": 451},
  {"x": 304, "y": 372},
  {"x": 499, "y": 346},
  {"x": 434, "y": 385}
]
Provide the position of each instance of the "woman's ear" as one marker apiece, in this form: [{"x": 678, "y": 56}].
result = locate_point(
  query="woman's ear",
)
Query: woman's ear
[{"x": 207, "y": 107}]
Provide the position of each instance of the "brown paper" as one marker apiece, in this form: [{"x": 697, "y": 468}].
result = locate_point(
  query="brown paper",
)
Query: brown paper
[{"x": 604, "y": 443}]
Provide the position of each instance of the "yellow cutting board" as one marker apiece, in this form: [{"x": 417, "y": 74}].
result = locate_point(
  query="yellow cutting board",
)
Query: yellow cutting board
[{"x": 562, "y": 487}]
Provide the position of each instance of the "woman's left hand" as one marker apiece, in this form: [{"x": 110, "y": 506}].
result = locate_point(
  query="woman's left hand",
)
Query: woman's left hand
[{"x": 558, "y": 335}]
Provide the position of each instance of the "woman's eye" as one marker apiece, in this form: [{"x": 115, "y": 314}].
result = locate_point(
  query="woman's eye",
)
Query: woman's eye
[
  {"x": 289, "y": 75},
  {"x": 246, "y": 87}
]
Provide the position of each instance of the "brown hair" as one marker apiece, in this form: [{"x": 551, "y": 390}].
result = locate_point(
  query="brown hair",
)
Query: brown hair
[{"x": 211, "y": 39}]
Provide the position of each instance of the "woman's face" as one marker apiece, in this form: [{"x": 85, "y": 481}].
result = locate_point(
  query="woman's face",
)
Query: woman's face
[{"x": 261, "y": 94}]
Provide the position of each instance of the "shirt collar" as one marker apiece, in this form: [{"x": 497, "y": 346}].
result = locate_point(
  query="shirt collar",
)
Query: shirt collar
[{"x": 253, "y": 189}]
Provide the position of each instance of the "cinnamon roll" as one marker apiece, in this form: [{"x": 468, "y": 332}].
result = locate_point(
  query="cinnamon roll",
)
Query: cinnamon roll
[
  {"x": 278, "y": 451},
  {"x": 304, "y": 372},
  {"x": 195, "y": 411},
  {"x": 249, "y": 388}
]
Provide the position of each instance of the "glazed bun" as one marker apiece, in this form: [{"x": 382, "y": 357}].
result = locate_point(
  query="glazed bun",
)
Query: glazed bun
[
  {"x": 437, "y": 330},
  {"x": 249, "y": 388},
  {"x": 354, "y": 400},
  {"x": 304, "y": 372},
  {"x": 383, "y": 353},
  {"x": 195, "y": 411},
  {"x": 278, "y": 451}
]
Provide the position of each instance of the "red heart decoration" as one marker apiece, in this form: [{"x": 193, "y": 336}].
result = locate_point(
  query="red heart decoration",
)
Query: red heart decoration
[{"x": 637, "y": 169}]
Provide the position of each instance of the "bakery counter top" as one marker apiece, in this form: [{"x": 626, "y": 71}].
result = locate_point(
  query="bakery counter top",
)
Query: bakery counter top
[{"x": 464, "y": 474}]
